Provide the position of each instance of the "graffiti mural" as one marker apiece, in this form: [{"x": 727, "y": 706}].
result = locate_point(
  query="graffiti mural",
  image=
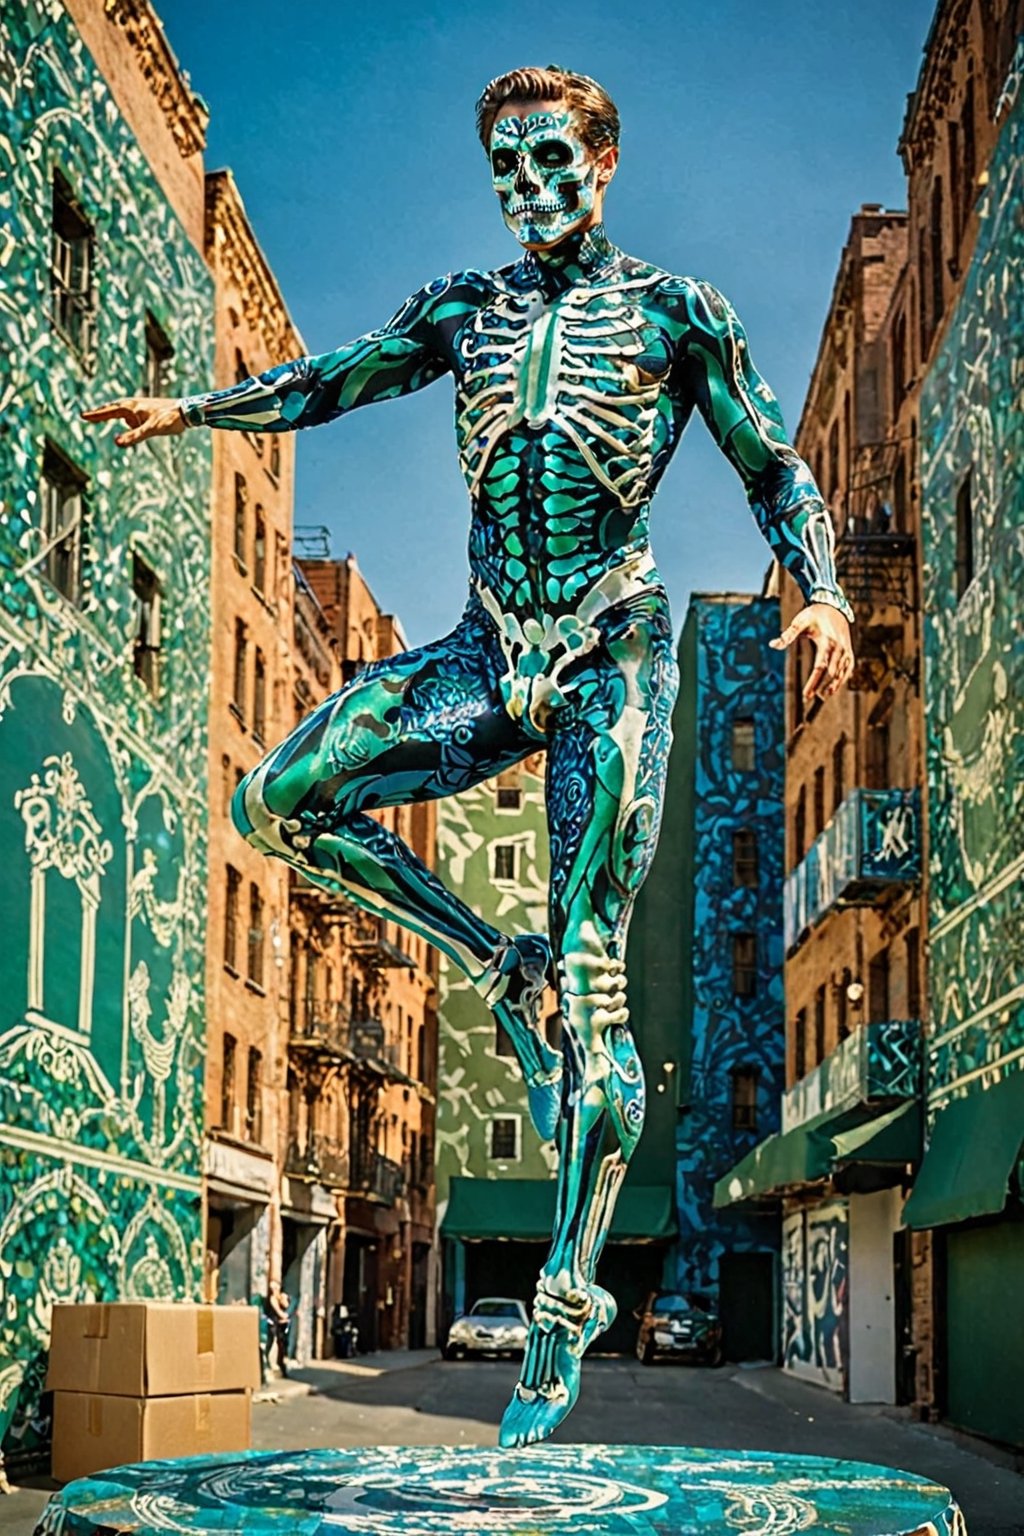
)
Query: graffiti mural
[
  {"x": 815, "y": 1269},
  {"x": 737, "y": 677},
  {"x": 972, "y": 466},
  {"x": 872, "y": 843},
  {"x": 102, "y": 770}
]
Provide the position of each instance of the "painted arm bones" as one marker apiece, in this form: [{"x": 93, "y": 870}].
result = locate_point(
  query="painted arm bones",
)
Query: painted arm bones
[
  {"x": 402, "y": 356},
  {"x": 743, "y": 416}
]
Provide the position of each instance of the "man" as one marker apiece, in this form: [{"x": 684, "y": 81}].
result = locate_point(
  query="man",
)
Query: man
[{"x": 576, "y": 370}]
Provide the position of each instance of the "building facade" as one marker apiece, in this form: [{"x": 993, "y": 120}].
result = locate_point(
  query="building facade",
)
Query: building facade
[
  {"x": 492, "y": 848},
  {"x": 383, "y": 1263},
  {"x": 709, "y": 919},
  {"x": 249, "y": 709},
  {"x": 962, "y": 146},
  {"x": 103, "y": 673}
]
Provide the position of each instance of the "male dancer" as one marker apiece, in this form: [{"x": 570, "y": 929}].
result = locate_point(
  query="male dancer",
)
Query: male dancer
[{"x": 576, "y": 370}]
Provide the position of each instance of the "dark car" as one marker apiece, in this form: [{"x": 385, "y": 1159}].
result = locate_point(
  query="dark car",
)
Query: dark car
[{"x": 685, "y": 1327}]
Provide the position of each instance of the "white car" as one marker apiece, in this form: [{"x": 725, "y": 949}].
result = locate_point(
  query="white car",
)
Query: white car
[{"x": 495, "y": 1325}]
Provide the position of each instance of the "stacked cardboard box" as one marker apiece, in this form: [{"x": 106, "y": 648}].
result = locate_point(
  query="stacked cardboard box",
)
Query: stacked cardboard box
[{"x": 141, "y": 1381}]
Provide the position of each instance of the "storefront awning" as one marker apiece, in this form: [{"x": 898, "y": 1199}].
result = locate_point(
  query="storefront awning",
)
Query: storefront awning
[
  {"x": 523, "y": 1210},
  {"x": 891, "y": 1138},
  {"x": 974, "y": 1146},
  {"x": 810, "y": 1152}
]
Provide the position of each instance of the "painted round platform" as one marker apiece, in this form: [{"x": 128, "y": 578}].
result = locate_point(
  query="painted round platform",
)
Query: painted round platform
[{"x": 467, "y": 1491}]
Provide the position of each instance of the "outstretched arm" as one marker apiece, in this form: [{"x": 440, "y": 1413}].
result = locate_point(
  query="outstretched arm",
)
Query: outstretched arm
[
  {"x": 400, "y": 357},
  {"x": 407, "y": 353},
  {"x": 715, "y": 371}
]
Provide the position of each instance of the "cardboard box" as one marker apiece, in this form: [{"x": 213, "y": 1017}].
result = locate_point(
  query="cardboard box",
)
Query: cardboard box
[
  {"x": 153, "y": 1349},
  {"x": 94, "y": 1431}
]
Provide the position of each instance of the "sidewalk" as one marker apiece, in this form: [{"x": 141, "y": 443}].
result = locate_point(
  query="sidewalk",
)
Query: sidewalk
[{"x": 327, "y": 1377}]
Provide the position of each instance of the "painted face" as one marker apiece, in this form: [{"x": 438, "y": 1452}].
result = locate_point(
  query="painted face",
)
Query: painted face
[{"x": 544, "y": 176}]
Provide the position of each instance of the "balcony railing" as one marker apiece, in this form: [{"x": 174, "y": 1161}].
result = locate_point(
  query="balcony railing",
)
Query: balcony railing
[
  {"x": 366, "y": 939},
  {"x": 320, "y": 1160},
  {"x": 377, "y": 1176},
  {"x": 321, "y": 1028},
  {"x": 877, "y": 1064},
  {"x": 870, "y": 849}
]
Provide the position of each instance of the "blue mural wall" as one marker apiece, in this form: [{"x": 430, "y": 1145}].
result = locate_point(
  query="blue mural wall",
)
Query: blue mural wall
[
  {"x": 735, "y": 676},
  {"x": 102, "y": 775},
  {"x": 972, "y": 451}
]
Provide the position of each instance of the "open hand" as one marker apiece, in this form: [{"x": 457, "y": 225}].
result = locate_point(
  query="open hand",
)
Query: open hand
[
  {"x": 833, "y": 649},
  {"x": 146, "y": 418}
]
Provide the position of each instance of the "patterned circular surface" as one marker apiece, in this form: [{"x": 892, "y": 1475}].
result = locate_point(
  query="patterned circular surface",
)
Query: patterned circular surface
[{"x": 544, "y": 1491}]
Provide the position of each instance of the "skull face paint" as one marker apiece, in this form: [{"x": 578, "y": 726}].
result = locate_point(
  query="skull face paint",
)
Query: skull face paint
[{"x": 543, "y": 174}]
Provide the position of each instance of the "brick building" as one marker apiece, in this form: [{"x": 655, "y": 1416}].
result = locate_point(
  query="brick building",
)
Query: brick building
[
  {"x": 251, "y": 599},
  {"x": 387, "y": 989}
]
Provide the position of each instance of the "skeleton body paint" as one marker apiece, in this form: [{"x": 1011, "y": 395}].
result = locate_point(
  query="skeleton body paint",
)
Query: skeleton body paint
[{"x": 576, "y": 370}]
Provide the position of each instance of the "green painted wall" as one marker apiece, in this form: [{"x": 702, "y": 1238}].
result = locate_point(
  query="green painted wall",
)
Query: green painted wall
[
  {"x": 102, "y": 787},
  {"x": 985, "y": 1359},
  {"x": 475, "y": 1083},
  {"x": 972, "y": 426}
]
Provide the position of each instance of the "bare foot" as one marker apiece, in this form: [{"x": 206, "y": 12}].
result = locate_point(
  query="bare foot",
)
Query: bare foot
[{"x": 549, "y": 1384}]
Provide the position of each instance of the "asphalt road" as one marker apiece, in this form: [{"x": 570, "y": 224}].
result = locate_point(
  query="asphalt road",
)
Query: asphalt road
[{"x": 757, "y": 1408}]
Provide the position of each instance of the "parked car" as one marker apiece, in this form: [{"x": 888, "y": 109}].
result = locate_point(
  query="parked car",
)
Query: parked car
[
  {"x": 495, "y": 1325},
  {"x": 671, "y": 1324}
]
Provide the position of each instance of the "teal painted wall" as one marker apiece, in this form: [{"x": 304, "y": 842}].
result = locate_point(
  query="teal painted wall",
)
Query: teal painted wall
[
  {"x": 681, "y": 965},
  {"x": 971, "y": 421},
  {"x": 102, "y": 786}
]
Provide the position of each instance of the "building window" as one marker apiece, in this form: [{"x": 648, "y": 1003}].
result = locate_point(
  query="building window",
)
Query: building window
[
  {"x": 227, "y": 1084},
  {"x": 146, "y": 656},
  {"x": 912, "y": 942},
  {"x": 255, "y": 955},
  {"x": 744, "y": 858},
  {"x": 259, "y": 698},
  {"x": 795, "y": 663},
  {"x": 508, "y": 797},
  {"x": 968, "y": 169},
  {"x": 819, "y": 1025},
  {"x": 254, "y": 1096},
  {"x": 231, "y": 915},
  {"x": 259, "y": 552},
  {"x": 72, "y": 300},
  {"x": 876, "y": 760},
  {"x": 878, "y": 987},
  {"x": 241, "y": 519},
  {"x": 275, "y": 456},
  {"x": 158, "y": 359},
  {"x": 899, "y": 379},
  {"x": 937, "y": 263},
  {"x": 800, "y": 824},
  {"x": 241, "y": 649},
  {"x": 833, "y": 460},
  {"x": 744, "y": 964},
  {"x": 241, "y": 367},
  {"x": 744, "y": 1098},
  {"x": 964, "y": 536},
  {"x": 505, "y": 861},
  {"x": 63, "y": 516},
  {"x": 505, "y": 1139},
  {"x": 800, "y": 1045},
  {"x": 502, "y": 1040},
  {"x": 743, "y": 745},
  {"x": 819, "y": 801},
  {"x": 838, "y": 774}
]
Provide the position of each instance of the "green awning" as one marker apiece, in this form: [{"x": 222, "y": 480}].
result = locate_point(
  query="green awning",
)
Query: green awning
[
  {"x": 891, "y": 1138},
  {"x": 810, "y": 1152},
  {"x": 523, "y": 1210},
  {"x": 801, "y": 1155},
  {"x": 974, "y": 1146}
]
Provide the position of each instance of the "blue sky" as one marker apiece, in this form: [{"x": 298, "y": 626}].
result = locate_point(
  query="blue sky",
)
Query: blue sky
[{"x": 751, "y": 133}]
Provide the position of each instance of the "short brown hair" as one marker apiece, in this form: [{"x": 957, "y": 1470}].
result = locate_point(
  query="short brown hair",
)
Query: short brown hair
[{"x": 596, "y": 113}]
